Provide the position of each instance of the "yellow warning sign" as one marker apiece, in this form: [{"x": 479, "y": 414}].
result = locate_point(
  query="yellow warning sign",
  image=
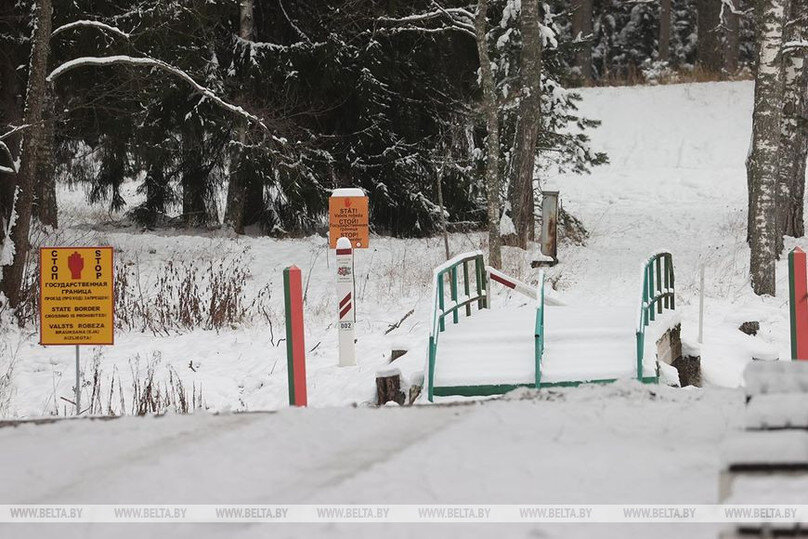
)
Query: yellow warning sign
[
  {"x": 348, "y": 217},
  {"x": 76, "y": 300}
]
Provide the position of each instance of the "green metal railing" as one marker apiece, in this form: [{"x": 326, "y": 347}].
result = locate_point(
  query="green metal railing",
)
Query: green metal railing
[
  {"x": 658, "y": 294},
  {"x": 540, "y": 328},
  {"x": 468, "y": 266}
]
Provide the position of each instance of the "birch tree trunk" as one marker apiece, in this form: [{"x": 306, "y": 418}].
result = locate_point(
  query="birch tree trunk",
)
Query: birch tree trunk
[
  {"x": 762, "y": 163},
  {"x": 11, "y": 113},
  {"x": 237, "y": 186},
  {"x": 490, "y": 111},
  {"x": 581, "y": 26},
  {"x": 527, "y": 129},
  {"x": 26, "y": 178},
  {"x": 793, "y": 139},
  {"x": 664, "y": 30}
]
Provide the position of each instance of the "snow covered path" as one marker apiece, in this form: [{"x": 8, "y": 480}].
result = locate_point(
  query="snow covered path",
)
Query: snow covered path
[
  {"x": 497, "y": 346},
  {"x": 606, "y": 444}
]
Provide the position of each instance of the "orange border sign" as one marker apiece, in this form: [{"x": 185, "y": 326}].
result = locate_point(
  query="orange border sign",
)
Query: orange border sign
[
  {"x": 76, "y": 301},
  {"x": 348, "y": 217}
]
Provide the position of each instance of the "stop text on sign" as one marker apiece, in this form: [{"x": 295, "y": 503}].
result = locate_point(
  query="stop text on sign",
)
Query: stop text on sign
[
  {"x": 348, "y": 217},
  {"x": 76, "y": 302}
]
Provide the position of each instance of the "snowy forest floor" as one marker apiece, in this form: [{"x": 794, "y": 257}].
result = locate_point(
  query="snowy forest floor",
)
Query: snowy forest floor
[{"x": 676, "y": 181}]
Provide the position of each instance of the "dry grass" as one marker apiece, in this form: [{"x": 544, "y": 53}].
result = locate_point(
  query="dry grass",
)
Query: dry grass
[
  {"x": 182, "y": 296},
  {"x": 145, "y": 393},
  {"x": 635, "y": 76}
]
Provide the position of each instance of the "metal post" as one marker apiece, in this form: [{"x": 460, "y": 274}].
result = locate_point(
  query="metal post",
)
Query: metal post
[
  {"x": 439, "y": 180},
  {"x": 78, "y": 382},
  {"x": 701, "y": 305},
  {"x": 295, "y": 336},
  {"x": 549, "y": 222},
  {"x": 798, "y": 303}
]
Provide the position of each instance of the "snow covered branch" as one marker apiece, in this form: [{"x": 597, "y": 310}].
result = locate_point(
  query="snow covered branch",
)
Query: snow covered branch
[
  {"x": 90, "y": 24},
  {"x": 10, "y": 169},
  {"x": 420, "y": 29},
  {"x": 14, "y": 130},
  {"x": 163, "y": 66},
  {"x": 792, "y": 46},
  {"x": 457, "y": 19},
  {"x": 729, "y": 5}
]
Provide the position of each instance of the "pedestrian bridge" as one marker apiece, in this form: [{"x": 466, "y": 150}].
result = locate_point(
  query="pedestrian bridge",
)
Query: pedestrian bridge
[{"x": 476, "y": 348}]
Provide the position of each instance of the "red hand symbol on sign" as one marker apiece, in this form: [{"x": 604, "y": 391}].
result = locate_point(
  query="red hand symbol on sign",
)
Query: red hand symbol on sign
[
  {"x": 76, "y": 263},
  {"x": 347, "y": 202}
]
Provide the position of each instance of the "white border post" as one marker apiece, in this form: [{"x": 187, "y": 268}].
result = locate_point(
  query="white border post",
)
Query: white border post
[{"x": 346, "y": 303}]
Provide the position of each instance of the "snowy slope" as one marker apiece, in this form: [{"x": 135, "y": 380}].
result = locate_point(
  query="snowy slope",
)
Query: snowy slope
[{"x": 676, "y": 180}]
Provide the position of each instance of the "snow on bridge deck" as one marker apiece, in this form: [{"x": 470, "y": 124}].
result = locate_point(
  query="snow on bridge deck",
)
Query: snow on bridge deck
[{"x": 497, "y": 346}]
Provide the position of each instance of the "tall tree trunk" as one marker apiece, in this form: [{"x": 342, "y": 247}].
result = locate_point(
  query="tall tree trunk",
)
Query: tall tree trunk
[
  {"x": 793, "y": 139},
  {"x": 732, "y": 37},
  {"x": 254, "y": 203},
  {"x": 582, "y": 28},
  {"x": 665, "y": 30},
  {"x": 198, "y": 207},
  {"x": 762, "y": 163},
  {"x": 198, "y": 204},
  {"x": 11, "y": 113},
  {"x": 527, "y": 128},
  {"x": 490, "y": 110},
  {"x": 45, "y": 207},
  {"x": 157, "y": 193},
  {"x": 34, "y": 107},
  {"x": 708, "y": 54},
  {"x": 234, "y": 214}
]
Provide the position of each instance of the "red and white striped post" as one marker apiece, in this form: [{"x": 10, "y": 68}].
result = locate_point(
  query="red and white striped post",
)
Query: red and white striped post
[
  {"x": 798, "y": 303},
  {"x": 295, "y": 340},
  {"x": 346, "y": 303}
]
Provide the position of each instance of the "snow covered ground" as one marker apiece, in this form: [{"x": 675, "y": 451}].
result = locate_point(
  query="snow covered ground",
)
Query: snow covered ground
[
  {"x": 624, "y": 443},
  {"x": 676, "y": 181}
]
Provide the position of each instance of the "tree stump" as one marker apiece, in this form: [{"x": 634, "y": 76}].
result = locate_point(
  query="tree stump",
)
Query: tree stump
[
  {"x": 750, "y": 328},
  {"x": 388, "y": 387},
  {"x": 689, "y": 368}
]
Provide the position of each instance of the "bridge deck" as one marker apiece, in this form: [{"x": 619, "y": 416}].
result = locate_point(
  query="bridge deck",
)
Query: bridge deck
[{"x": 497, "y": 347}]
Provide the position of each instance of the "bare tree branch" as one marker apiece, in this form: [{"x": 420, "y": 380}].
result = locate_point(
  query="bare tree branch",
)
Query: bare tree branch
[{"x": 292, "y": 24}]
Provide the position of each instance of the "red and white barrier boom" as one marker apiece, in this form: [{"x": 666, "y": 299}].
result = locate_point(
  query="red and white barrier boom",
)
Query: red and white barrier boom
[
  {"x": 346, "y": 304},
  {"x": 509, "y": 282}
]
